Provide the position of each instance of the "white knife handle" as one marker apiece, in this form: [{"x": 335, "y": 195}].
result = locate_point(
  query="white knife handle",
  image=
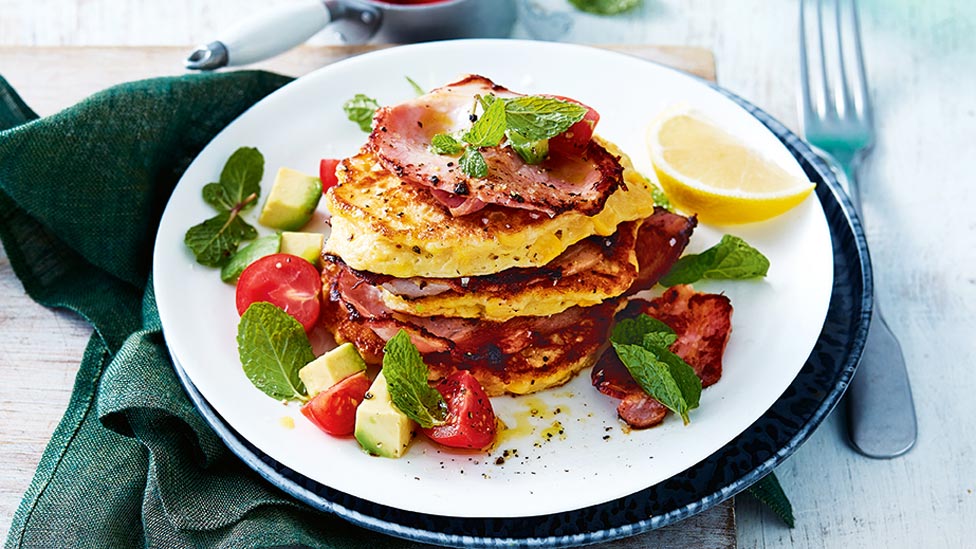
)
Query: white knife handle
[{"x": 274, "y": 31}]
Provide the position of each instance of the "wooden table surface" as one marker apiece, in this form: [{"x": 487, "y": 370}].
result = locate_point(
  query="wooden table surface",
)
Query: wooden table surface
[{"x": 919, "y": 195}]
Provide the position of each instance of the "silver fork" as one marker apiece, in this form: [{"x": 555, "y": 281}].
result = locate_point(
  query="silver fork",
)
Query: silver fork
[{"x": 836, "y": 117}]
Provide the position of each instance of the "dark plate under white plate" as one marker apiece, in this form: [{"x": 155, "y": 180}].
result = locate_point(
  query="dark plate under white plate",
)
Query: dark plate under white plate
[{"x": 731, "y": 469}]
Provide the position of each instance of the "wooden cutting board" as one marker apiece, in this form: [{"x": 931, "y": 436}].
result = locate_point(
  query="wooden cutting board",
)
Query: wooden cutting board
[{"x": 40, "y": 349}]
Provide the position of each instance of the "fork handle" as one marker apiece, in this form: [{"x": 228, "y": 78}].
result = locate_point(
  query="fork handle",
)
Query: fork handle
[{"x": 881, "y": 411}]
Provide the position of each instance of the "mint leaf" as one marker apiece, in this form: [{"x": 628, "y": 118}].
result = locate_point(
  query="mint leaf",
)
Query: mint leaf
[
  {"x": 273, "y": 347},
  {"x": 241, "y": 177},
  {"x": 769, "y": 492},
  {"x": 473, "y": 164},
  {"x": 683, "y": 374},
  {"x": 360, "y": 109},
  {"x": 654, "y": 376},
  {"x": 642, "y": 345},
  {"x": 266, "y": 245},
  {"x": 216, "y": 239},
  {"x": 416, "y": 87},
  {"x": 632, "y": 331},
  {"x": 731, "y": 259},
  {"x": 406, "y": 377},
  {"x": 443, "y": 143},
  {"x": 489, "y": 129},
  {"x": 532, "y": 152},
  {"x": 605, "y": 7},
  {"x": 535, "y": 117}
]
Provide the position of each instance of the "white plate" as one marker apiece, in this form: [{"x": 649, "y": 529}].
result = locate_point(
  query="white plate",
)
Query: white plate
[{"x": 590, "y": 459}]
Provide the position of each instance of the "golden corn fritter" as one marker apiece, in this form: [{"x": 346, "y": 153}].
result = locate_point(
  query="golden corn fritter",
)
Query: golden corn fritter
[{"x": 383, "y": 225}]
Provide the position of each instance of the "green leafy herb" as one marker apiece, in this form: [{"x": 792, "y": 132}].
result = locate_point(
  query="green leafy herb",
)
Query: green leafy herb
[
  {"x": 360, "y": 109},
  {"x": 532, "y": 152},
  {"x": 416, "y": 87},
  {"x": 535, "y": 117},
  {"x": 273, "y": 347},
  {"x": 473, "y": 164},
  {"x": 605, "y": 7},
  {"x": 240, "y": 178},
  {"x": 632, "y": 331},
  {"x": 770, "y": 493},
  {"x": 216, "y": 239},
  {"x": 642, "y": 345},
  {"x": 266, "y": 245},
  {"x": 443, "y": 143},
  {"x": 528, "y": 122},
  {"x": 489, "y": 129},
  {"x": 406, "y": 376},
  {"x": 730, "y": 259}
]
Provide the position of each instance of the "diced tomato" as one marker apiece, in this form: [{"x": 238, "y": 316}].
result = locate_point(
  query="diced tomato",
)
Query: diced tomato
[
  {"x": 470, "y": 419},
  {"x": 285, "y": 280},
  {"x": 334, "y": 410},
  {"x": 327, "y": 173},
  {"x": 573, "y": 141}
]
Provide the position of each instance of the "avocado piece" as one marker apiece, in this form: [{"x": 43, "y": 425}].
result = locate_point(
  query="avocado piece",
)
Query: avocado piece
[
  {"x": 265, "y": 245},
  {"x": 305, "y": 245},
  {"x": 331, "y": 368},
  {"x": 381, "y": 428},
  {"x": 292, "y": 200}
]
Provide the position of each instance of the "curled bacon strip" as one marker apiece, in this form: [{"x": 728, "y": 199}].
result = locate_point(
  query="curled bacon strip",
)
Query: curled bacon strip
[
  {"x": 402, "y": 136},
  {"x": 703, "y": 324}
]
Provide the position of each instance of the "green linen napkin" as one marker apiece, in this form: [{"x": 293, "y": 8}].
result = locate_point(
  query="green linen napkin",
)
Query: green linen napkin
[{"x": 132, "y": 463}]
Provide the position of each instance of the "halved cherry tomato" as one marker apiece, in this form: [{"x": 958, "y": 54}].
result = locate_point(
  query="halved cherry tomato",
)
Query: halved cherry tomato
[
  {"x": 327, "y": 173},
  {"x": 285, "y": 280},
  {"x": 573, "y": 141},
  {"x": 470, "y": 418},
  {"x": 334, "y": 410}
]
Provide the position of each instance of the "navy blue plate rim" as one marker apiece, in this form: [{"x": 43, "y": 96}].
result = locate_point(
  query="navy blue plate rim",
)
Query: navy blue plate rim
[{"x": 739, "y": 464}]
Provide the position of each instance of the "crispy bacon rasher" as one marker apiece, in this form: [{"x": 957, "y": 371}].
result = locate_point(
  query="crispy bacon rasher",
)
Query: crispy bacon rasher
[
  {"x": 402, "y": 136},
  {"x": 703, "y": 324}
]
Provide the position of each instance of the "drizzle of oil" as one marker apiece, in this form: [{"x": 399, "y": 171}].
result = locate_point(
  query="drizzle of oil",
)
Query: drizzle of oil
[
  {"x": 287, "y": 422},
  {"x": 533, "y": 409},
  {"x": 554, "y": 431}
]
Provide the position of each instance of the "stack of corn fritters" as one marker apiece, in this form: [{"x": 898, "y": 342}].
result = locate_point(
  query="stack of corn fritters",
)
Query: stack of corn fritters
[{"x": 522, "y": 297}]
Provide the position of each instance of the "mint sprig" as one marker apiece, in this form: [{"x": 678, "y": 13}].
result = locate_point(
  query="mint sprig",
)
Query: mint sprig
[
  {"x": 731, "y": 259},
  {"x": 360, "y": 110},
  {"x": 642, "y": 345},
  {"x": 216, "y": 239},
  {"x": 273, "y": 347},
  {"x": 406, "y": 377},
  {"x": 527, "y": 123}
]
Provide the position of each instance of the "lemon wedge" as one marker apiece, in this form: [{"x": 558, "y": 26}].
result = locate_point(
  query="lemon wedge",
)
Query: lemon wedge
[{"x": 707, "y": 171}]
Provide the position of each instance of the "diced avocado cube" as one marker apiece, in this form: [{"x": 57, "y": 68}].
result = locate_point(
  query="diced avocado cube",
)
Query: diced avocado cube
[
  {"x": 306, "y": 245},
  {"x": 265, "y": 245},
  {"x": 381, "y": 428},
  {"x": 292, "y": 200},
  {"x": 331, "y": 368}
]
